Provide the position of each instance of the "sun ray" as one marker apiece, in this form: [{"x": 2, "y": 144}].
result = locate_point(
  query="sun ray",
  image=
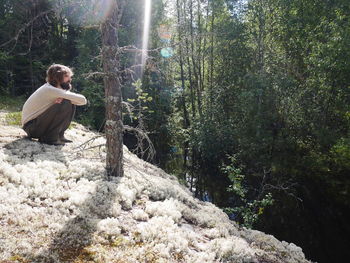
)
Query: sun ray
[{"x": 146, "y": 26}]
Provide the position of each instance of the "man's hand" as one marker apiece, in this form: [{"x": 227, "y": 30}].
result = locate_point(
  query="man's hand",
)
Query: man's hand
[{"x": 58, "y": 100}]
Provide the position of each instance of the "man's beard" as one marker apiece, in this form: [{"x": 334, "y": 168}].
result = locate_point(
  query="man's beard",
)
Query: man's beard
[{"x": 66, "y": 85}]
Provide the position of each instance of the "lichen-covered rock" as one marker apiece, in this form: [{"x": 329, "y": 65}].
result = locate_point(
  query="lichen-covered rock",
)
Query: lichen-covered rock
[{"x": 57, "y": 206}]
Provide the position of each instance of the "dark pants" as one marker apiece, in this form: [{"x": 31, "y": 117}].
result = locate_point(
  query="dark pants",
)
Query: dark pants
[{"x": 52, "y": 123}]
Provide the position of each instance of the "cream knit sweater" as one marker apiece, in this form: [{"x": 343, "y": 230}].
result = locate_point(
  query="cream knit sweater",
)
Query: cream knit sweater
[{"x": 44, "y": 97}]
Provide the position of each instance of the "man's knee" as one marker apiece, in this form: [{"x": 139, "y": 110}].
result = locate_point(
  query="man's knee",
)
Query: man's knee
[
  {"x": 66, "y": 102},
  {"x": 64, "y": 106}
]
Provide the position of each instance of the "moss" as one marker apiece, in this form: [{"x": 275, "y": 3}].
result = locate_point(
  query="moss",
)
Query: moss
[
  {"x": 149, "y": 256},
  {"x": 86, "y": 255},
  {"x": 119, "y": 241},
  {"x": 17, "y": 258},
  {"x": 72, "y": 125},
  {"x": 13, "y": 118}
]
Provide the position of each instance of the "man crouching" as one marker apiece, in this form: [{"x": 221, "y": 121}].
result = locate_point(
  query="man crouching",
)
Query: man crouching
[{"x": 47, "y": 113}]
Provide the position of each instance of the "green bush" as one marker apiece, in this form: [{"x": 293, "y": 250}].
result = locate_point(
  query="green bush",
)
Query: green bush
[
  {"x": 247, "y": 210},
  {"x": 10, "y": 103}
]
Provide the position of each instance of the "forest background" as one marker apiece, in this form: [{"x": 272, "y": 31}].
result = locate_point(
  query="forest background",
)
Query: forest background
[{"x": 246, "y": 102}]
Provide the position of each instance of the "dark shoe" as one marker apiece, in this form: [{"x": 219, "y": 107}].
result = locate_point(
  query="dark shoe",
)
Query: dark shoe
[{"x": 63, "y": 139}]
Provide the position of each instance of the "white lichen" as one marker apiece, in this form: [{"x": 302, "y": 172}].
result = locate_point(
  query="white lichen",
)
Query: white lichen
[{"x": 50, "y": 193}]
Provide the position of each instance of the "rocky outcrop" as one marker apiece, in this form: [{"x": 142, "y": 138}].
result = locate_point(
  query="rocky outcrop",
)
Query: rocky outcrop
[{"x": 56, "y": 205}]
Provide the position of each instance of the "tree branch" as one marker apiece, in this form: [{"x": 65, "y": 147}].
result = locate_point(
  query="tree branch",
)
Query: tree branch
[{"x": 23, "y": 28}]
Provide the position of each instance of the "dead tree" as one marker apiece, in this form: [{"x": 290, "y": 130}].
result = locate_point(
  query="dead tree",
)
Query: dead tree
[{"x": 113, "y": 95}]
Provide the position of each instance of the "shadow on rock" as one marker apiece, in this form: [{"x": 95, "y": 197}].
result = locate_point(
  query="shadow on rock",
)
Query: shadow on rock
[
  {"x": 27, "y": 150},
  {"x": 69, "y": 243}
]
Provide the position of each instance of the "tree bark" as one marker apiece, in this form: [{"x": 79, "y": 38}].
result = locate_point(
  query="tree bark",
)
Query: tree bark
[{"x": 114, "y": 123}]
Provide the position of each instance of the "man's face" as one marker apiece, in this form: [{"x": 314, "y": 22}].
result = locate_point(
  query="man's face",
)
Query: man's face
[
  {"x": 67, "y": 78},
  {"x": 66, "y": 82}
]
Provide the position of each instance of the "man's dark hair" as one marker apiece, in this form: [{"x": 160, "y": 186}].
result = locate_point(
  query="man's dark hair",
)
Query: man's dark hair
[{"x": 56, "y": 73}]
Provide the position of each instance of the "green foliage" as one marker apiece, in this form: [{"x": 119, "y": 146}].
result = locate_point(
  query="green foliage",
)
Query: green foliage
[
  {"x": 6, "y": 82},
  {"x": 13, "y": 118},
  {"x": 140, "y": 102},
  {"x": 248, "y": 211},
  {"x": 10, "y": 103},
  {"x": 151, "y": 102},
  {"x": 340, "y": 154},
  {"x": 85, "y": 81},
  {"x": 92, "y": 114}
]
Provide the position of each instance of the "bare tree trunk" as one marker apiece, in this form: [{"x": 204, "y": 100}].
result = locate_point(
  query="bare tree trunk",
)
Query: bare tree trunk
[
  {"x": 261, "y": 55},
  {"x": 210, "y": 76},
  {"x": 199, "y": 46},
  {"x": 114, "y": 122},
  {"x": 183, "y": 97},
  {"x": 194, "y": 59},
  {"x": 204, "y": 56},
  {"x": 211, "y": 60},
  {"x": 190, "y": 78}
]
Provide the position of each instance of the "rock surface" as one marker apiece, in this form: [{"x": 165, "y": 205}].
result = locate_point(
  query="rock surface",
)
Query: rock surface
[{"x": 57, "y": 206}]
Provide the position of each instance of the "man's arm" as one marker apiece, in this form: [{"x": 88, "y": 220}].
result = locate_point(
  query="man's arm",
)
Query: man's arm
[{"x": 61, "y": 94}]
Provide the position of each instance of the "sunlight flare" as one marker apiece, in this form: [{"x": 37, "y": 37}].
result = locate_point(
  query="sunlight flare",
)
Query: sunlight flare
[
  {"x": 93, "y": 13},
  {"x": 146, "y": 26}
]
